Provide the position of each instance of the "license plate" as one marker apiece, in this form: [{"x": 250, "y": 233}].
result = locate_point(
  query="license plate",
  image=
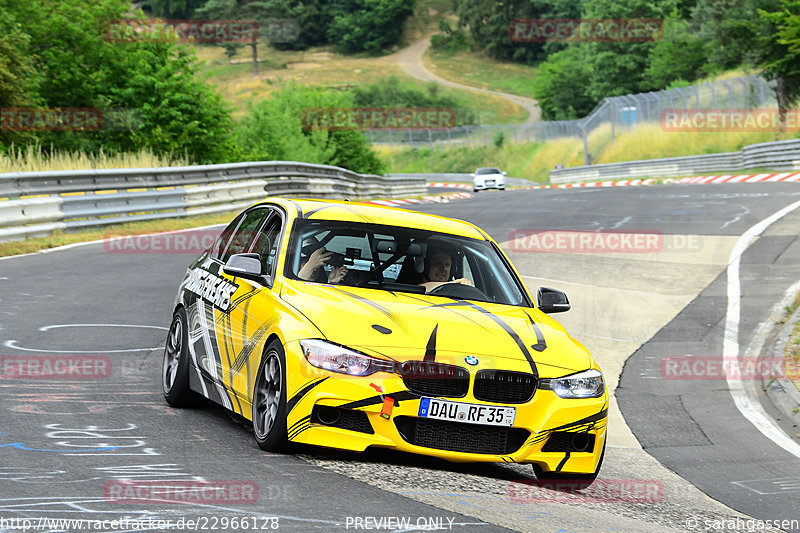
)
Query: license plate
[
  {"x": 469, "y": 413},
  {"x": 489, "y": 182}
]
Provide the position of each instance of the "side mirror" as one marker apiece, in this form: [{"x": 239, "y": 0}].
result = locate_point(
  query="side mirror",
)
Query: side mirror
[
  {"x": 503, "y": 173},
  {"x": 552, "y": 300},
  {"x": 247, "y": 266}
]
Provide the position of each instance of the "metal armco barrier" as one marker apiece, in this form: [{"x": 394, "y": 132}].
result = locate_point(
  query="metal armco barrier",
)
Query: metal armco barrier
[
  {"x": 34, "y": 204},
  {"x": 779, "y": 156}
]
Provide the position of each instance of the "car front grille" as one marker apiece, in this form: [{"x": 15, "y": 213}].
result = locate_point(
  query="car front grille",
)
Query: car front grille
[
  {"x": 460, "y": 437},
  {"x": 435, "y": 379},
  {"x": 499, "y": 386}
]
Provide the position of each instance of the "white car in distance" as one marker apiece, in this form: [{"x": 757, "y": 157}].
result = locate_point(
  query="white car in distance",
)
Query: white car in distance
[{"x": 488, "y": 178}]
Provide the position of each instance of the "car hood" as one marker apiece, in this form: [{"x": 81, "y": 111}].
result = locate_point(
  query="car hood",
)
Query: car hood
[{"x": 408, "y": 326}]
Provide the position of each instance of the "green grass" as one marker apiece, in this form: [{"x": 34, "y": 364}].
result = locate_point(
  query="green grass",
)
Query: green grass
[
  {"x": 533, "y": 161},
  {"x": 478, "y": 70},
  {"x": 61, "y": 238}
]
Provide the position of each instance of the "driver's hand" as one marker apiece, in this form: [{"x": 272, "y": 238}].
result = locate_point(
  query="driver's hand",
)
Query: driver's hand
[
  {"x": 337, "y": 274},
  {"x": 463, "y": 281},
  {"x": 318, "y": 258}
]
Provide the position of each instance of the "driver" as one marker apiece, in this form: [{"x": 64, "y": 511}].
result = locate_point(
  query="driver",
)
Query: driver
[
  {"x": 310, "y": 269},
  {"x": 439, "y": 263}
]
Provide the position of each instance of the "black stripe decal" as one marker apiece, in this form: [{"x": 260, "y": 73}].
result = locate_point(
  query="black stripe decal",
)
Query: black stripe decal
[
  {"x": 448, "y": 307},
  {"x": 563, "y": 461},
  {"x": 588, "y": 420},
  {"x": 297, "y": 208},
  {"x": 375, "y": 400},
  {"x": 302, "y": 392},
  {"x": 393, "y": 317},
  {"x": 299, "y": 426},
  {"x": 430, "y": 350},
  {"x": 229, "y": 339},
  {"x": 502, "y": 324},
  {"x": 540, "y": 342}
]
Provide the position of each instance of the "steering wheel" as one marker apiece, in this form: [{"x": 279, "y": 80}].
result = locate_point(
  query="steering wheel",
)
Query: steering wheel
[{"x": 458, "y": 290}]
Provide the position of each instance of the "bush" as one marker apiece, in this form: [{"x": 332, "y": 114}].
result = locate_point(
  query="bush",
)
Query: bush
[
  {"x": 562, "y": 85},
  {"x": 391, "y": 92},
  {"x": 273, "y": 130}
]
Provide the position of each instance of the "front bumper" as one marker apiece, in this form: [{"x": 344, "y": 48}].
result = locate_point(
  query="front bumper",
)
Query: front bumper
[
  {"x": 541, "y": 433},
  {"x": 489, "y": 184}
]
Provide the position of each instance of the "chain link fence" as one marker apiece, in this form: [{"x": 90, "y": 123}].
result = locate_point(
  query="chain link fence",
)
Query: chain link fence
[{"x": 619, "y": 112}]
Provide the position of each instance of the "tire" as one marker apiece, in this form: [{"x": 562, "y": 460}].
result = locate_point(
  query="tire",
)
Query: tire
[
  {"x": 585, "y": 480},
  {"x": 269, "y": 401},
  {"x": 175, "y": 365}
]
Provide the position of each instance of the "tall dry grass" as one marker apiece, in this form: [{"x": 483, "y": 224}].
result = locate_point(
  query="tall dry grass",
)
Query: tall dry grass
[{"x": 31, "y": 158}]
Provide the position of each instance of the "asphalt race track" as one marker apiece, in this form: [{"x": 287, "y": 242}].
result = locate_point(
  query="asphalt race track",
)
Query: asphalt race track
[{"x": 67, "y": 446}]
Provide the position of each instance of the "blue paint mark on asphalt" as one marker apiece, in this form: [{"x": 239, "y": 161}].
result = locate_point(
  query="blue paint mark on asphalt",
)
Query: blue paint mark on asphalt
[{"x": 20, "y": 446}]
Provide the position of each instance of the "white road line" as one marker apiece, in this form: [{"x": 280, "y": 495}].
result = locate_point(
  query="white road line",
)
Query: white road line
[
  {"x": 56, "y": 326},
  {"x": 11, "y": 343},
  {"x": 749, "y": 407},
  {"x": 649, "y": 293}
]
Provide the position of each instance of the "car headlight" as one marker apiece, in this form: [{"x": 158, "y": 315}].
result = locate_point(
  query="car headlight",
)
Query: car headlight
[
  {"x": 335, "y": 358},
  {"x": 586, "y": 384}
]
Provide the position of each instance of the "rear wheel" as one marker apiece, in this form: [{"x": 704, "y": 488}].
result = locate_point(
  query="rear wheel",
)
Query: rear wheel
[
  {"x": 175, "y": 366},
  {"x": 269, "y": 400}
]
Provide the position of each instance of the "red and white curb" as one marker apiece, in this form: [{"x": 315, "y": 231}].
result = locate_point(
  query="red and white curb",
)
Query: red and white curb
[
  {"x": 424, "y": 200},
  {"x": 726, "y": 178},
  {"x": 620, "y": 183},
  {"x": 740, "y": 178},
  {"x": 450, "y": 185}
]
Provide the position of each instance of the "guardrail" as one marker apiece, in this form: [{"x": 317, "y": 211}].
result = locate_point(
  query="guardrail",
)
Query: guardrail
[
  {"x": 38, "y": 203},
  {"x": 779, "y": 156},
  {"x": 461, "y": 178}
]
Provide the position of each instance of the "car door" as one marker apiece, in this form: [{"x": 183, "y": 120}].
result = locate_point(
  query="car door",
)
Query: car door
[
  {"x": 242, "y": 328},
  {"x": 215, "y": 293}
]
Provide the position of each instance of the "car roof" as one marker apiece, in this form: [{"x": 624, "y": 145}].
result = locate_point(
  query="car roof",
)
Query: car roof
[
  {"x": 489, "y": 168},
  {"x": 314, "y": 209}
]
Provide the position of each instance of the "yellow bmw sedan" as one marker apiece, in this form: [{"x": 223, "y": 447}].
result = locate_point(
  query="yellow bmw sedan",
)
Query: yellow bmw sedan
[{"x": 349, "y": 325}]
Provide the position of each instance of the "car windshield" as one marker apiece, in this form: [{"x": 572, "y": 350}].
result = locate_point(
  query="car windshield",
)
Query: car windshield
[
  {"x": 400, "y": 259},
  {"x": 488, "y": 171}
]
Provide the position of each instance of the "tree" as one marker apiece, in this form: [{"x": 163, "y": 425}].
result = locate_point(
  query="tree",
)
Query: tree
[
  {"x": 78, "y": 66},
  {"x": 618, "y": 67},
  {"x": 780, "y": 50},
  {"x": 730, "y": 30},
  {"x": 562, "y": 83},
  {"x": 18, "y": 78},
  {"x": 367, "y": 25},
  {"x": 239, "y": 9},
  {"x": 488, "y": 24},
  {"x": 679, "y": 55},
  {"x": 173, "y": 9},
  {"x": 273, "y": 129}
]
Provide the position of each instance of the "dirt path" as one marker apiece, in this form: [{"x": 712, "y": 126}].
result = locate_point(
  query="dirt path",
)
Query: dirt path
[{"x": 410, "y": 61}]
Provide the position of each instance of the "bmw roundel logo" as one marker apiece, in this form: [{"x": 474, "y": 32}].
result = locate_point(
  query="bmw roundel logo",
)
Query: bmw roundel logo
[{"x": 471, "y": 360}]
